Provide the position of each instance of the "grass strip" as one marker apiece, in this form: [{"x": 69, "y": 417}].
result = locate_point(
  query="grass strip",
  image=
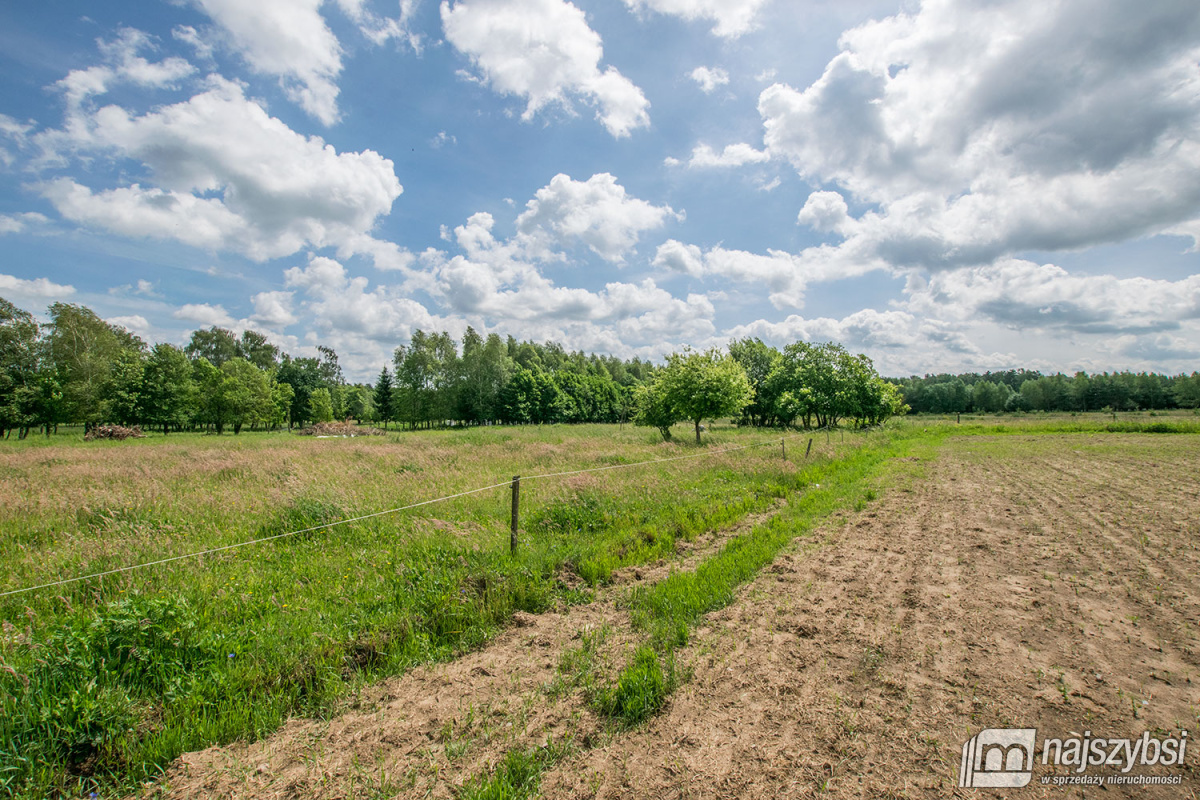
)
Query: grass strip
[{"x": 670, "y": 608}]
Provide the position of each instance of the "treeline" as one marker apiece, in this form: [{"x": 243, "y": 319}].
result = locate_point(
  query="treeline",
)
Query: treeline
[
  {"x": 80, "y": 369},
  {"x": 430, "y": 382},
  {"x": 1024, "y": 390}
]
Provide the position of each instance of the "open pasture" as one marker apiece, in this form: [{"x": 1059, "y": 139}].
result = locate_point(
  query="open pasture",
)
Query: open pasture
[{"x": 904, "y": 560}]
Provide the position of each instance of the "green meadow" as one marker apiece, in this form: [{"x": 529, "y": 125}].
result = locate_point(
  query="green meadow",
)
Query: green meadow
[{"x": 103, "y": 682}]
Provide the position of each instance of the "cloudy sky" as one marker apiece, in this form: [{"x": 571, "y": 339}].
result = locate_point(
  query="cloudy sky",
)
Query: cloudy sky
[{"x": 941, "y": 185}]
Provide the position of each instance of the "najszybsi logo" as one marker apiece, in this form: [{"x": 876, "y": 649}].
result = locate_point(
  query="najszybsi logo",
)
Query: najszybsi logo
[
  {"x": 1003, "y": 758},
  {"x": 998, "y": 758}
]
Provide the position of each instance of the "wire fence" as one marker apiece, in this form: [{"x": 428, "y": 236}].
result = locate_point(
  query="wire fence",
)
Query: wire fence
[{"x": 774, "y": 442}]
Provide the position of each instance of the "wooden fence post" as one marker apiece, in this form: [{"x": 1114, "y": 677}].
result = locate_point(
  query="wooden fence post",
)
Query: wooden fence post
[
  {"x": 516, "y": 512},
  {"x": 807, "y": 449},
  {"x": 783, "y": 448}
]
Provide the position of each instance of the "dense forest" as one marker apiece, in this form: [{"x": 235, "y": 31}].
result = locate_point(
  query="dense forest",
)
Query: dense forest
[{"x": 1023, "y": 390}]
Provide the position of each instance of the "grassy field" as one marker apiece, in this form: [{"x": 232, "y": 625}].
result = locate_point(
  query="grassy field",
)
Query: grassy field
[{"x": 104, "y": 682}]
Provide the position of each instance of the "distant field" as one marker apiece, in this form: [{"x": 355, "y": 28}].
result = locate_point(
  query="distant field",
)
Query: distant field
[{"x": 104, "y": 683}]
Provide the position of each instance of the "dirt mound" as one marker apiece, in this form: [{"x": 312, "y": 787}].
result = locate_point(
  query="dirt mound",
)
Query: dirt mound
[
  {"x": 348, "y": 429},
  {"x": 118, "y": 432}
]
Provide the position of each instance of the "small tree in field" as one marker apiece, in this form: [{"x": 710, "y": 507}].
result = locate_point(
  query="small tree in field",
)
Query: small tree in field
[
  {"x": 653, "y": 409},
  {"x": 700, "y": 386}
]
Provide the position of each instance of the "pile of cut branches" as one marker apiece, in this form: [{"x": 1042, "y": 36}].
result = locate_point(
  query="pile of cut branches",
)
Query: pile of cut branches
[
  {"x": 338, "y": 429},
  {"x": 119, "y": 432}
]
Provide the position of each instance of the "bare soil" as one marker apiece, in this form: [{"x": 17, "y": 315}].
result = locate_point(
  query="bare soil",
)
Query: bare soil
[{"x": 1048, "y": 582}]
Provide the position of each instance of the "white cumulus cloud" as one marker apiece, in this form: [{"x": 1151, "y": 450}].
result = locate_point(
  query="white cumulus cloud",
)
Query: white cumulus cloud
[
  {"x": 288, "y": 39},
  {"x": 779, "y": 272},
  {"x": 135, "y": 323},
  {"x": 597, "y": 212},
  {"x": 16, "y": 223},
  {"x": 900, "y": 343},
  {"x": 205, "y": 314},
  {"x": 824, "y": 211},
  {"x": 1029, "y": 296},
  {"x": 709, "y": 78},
  {"x": 273, "y": 309},
  {"x": 228, "y": 176},
  {"x": 734, "y": 155},
  {"x": 36, "y": 288},
  {"x": 545, "y": 52},
  {"x": 122, "y": 63},
  {"x": 981, "y": 129}
]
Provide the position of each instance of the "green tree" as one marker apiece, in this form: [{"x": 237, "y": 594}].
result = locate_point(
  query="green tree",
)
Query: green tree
[
  {"x": 83, "y": 349},
  {"x": 654, "y": 408},
  {"x": 808, "y": 384},
  {"x": 20, "y": 347},
  {"x": 1187, "y": 390},
  {"x": 282, "y": 395},
  {"x": 304, "y": 376},
  {"x": 1033, "y": 395},
  {"x": 416, "y": 372},
  {"x": 247, "y": 394},
  {"x": 124, "y": 386},
  {"x": 215, "y": 344},
  {"x": 519, "y": 399},
  {"x": 320, "y": 406},
  {"x": 359, "y": 403},
  {"x": 704, "y": 385},
  {"x": 254, "y": 347},
  {"x": 211, "y": 408},
  {"x": 759, "y": 361},
  {"x": 485, "y": 374},
  {"x": 383, "y": 397},
  {"x": 331, "y": 371},
  {"x": 426, "y": 372},
  {"x": 168, "y": 391},
  {"x": 550, "y": 401}
]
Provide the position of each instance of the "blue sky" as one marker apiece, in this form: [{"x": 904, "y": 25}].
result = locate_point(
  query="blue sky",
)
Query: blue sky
[{"x": 941, "y": 185}]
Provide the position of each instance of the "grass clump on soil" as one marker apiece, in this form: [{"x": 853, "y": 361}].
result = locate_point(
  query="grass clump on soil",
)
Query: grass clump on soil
[
  {"x": 517, "y": 776},
  {"x": 641, "y": 689}
]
